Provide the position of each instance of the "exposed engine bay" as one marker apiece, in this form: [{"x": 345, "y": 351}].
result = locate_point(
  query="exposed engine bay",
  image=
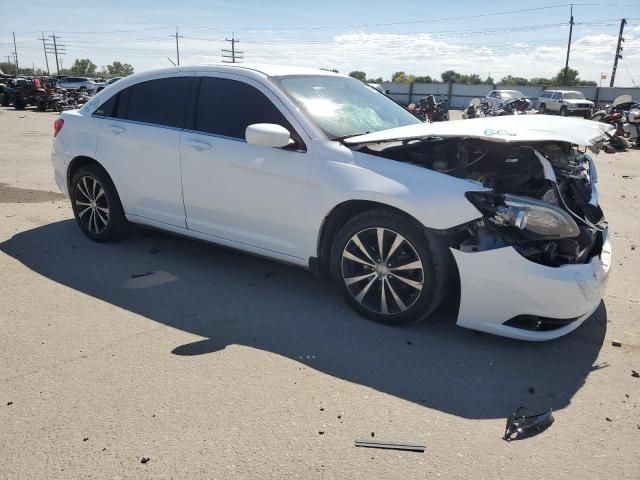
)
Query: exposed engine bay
[{"x": 543, "y": 200}]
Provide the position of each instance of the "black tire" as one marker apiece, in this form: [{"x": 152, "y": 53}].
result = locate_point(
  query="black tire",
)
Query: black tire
[
  {"x": 618, "y": 143},
  {"x": 543, "y": 108},
  {"x": 85, "y": 208},
  {"x": 416, "y": 246},
  {"x": 563, "y": 111},
  {"x": 41, "y": 106}
]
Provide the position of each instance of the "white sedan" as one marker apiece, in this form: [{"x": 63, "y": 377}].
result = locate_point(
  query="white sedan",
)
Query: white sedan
[{"x": 318, "y": 170}]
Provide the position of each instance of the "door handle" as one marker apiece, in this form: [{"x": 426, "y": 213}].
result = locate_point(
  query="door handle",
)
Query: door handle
[
  {"x": 199, "y": 145},
  {"x": 117, "y": 129}
]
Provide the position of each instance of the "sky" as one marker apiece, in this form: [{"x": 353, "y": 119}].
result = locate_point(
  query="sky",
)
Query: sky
[{"x": 519, "y": 38}]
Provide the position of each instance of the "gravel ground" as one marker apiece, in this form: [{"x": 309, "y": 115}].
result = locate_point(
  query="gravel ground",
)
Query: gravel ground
[{"x": 223, "y": 365}]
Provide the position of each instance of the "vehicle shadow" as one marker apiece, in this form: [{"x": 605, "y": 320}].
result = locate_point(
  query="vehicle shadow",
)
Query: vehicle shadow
[{"x": 228, "y": 297}]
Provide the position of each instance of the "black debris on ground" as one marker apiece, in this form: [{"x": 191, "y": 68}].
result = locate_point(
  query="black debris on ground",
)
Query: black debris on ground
[
  {"x": 9, "y": 403},
  {"x": 144, "y": 459},
  {"x": 635, "y": 374},
  {"x": 138, "y": 275},
  {"x": 322, "y": 409},
  {"x": 85, "y": 439},
  {"x": 321, "y": 432},
  {"x": 616, "y": 343},
  {"x": 608, "y": 419},
  {"x": 373, "y": 434}
]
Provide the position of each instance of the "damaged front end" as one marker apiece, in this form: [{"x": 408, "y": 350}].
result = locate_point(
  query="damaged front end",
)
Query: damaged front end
[
  {"x": 539, "y": 198},
  {"x": 535, "y": 264}
]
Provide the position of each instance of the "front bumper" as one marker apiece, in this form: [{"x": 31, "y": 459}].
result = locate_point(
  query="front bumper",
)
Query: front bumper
[
  {"x": 500, "y": 285},
  {"x": 579, "y": 111}
]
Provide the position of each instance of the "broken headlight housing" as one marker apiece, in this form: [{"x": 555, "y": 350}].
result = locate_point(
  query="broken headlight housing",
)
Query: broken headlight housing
[{"x": 534, "y": 218}]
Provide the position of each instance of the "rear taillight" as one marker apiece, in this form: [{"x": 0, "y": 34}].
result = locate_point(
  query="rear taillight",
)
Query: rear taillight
[{"x": 57, "y": 126}]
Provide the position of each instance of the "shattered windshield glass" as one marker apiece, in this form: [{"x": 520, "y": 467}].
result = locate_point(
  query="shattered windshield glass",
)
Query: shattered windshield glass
[{"x": 344, "y": 107}]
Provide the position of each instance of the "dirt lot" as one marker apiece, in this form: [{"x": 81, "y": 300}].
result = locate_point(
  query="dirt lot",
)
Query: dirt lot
[{"x": 223, "y": 365}]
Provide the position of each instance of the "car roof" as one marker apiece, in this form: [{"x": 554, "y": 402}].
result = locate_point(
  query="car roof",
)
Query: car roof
[{"x": 267, "y": 70}]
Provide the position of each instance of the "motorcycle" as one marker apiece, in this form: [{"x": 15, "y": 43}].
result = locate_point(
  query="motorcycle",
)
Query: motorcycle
[
  {"x": 515, "y": 106},
  {"x": 632, "y": 126},
  {"x": 617, "y": 114},
  {"x": 430, "y": 110},
  {"x": 474, "y": 109}
]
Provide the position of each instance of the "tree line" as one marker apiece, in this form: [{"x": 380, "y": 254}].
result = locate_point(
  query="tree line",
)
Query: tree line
[
  {"x": 573, "y": 79},
  {"x": 82, "y": 67}
]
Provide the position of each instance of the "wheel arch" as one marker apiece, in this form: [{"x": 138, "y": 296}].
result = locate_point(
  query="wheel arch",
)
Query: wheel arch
[
  {"x": 82, "y": 161},
  {"x": 336, "y": 219}
]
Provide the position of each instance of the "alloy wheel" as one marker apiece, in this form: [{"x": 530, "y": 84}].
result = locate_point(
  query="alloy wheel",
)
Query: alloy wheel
[
  {"x": 382, "y": 270},
  {"x": 91, "y": 204}
]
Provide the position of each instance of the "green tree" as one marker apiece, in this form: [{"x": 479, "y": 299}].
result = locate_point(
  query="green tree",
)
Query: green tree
[
  {"x": 359, "y": 75},
  {"x": 450, "y": 76},
  {"x": 573, "y": 78},
  {"x": 423, "y": 79},
  {"x": 8, "y": 68},
  {"x": 334, "y": 70},
  {"x": 401, "y": 77},
  {"x": 514, "y": 81},
  {"x": 118, "y": 69},
  {"x": 83, "y": 66},
  {"x": 488, "y": 80},
  {"x": 375, "y": 80}
]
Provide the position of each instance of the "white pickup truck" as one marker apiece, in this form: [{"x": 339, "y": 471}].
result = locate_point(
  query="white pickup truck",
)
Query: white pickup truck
[{"x": 565, "y": 102}]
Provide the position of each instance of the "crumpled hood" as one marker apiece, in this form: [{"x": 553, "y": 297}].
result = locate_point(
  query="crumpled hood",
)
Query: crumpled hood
[{"x": 505, "y": 129}]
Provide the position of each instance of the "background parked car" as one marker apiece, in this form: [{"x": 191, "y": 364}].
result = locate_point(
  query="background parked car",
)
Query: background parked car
[
  {"x": 496, "y": 98},
  {"x": 79, "y": 83},
  {"x": 565, "y": 102}
]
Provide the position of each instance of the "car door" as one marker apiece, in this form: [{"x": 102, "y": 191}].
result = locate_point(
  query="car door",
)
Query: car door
[
  {"x": 555, "y": 101},
  {"x": 253, "y": 196},
  {"x": 139, "y": 145}
]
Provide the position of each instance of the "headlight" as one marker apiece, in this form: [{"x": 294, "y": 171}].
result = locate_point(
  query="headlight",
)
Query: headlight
[{"x": 535, "y": 217}]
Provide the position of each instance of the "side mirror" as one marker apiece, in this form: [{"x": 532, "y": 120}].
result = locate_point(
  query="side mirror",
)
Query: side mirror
[{"x": 267, "y": 135}]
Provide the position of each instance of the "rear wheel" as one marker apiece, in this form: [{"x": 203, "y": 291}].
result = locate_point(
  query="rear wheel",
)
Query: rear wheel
[
  {"x": 96, "y": 205},
  {"x": 387, "y": 269}
]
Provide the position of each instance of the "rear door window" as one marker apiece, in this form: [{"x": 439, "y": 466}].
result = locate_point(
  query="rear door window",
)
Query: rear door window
[
  {"x": 158, "y": 102},
  {"x": 227, "y": 107}
]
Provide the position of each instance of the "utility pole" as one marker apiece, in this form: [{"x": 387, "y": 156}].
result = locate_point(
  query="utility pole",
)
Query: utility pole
[
  {"x": 566, "y": 64},
  {"x": 15, "y": 53},
  {"x": 57, "y": 50},
  {"x": 623, "y": 22},
  {"x": 44, "y": 45},
  {"x": 177, "y": 45},
  {"x": 233, "y": 54}
]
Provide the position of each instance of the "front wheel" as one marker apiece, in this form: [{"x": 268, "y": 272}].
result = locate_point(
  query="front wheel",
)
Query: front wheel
[
  {"x": 563, "y": 111},
  {"x": 96, "y": 205},
  {"x": 543, "y": 108},
  {"x": 387, "y": 269}
]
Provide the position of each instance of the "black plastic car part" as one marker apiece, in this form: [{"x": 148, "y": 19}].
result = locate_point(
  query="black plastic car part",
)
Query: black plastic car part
[{"x": 520, "y": 426}]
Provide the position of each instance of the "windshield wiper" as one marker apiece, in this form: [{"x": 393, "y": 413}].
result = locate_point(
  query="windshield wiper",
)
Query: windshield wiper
[{"x": 344, "y": 137}]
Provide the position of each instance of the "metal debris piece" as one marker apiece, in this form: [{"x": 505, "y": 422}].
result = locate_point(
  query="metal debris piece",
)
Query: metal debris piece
[
  {"x": 635, "y": 374},
  {"x": 521, "y": 426},
  {"x": 616, "y": 343},
  {"x": 390, "y": 445},
  {"x": 144, "y": 459}
]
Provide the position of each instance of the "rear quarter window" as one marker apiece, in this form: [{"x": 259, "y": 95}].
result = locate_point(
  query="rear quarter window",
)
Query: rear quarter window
[{"x": 159, "y": 102}]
